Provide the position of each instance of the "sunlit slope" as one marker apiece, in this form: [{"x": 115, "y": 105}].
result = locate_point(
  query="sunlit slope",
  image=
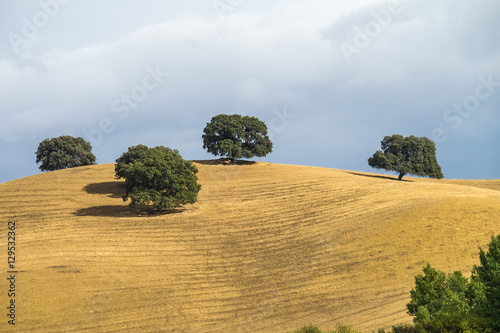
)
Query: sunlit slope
[{"x": 267, "y": 248}]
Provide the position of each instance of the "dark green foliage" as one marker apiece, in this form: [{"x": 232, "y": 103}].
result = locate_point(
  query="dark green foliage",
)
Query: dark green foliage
[
  {"x": 235, "y": 137},
  {"x": 452, "y": 303},
  {"x": 407, "y": 329},
  {"x": 345, "y": 329},
  {"x": 435, "y": 293},
  {"x": 476, "y": 293},
  {"x": 426, "y": 297},
  {"x": 307, "y": 329},
  {"x": 64, "y": 152},
  {"x": 453, "y": 322},
  {"x": 407, "y": 155},
  {"x": 134, "y": 153},
  {"x": 487, "y": 279},
  {"x": 157, "y": 177}
]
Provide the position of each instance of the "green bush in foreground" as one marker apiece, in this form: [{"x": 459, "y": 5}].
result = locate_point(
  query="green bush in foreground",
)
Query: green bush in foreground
[
  {"x": 486, "y": 277},
  {"x": 307, "y": 329},
  {"x": 435, "y": 294},
  {"x": 451, "y": 303}
]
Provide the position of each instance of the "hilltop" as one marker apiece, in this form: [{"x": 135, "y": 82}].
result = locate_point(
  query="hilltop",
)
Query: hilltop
[{"x": 267, "y": 248}]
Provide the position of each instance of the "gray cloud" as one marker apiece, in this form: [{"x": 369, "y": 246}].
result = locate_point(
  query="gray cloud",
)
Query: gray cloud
[{"x": 258, "y": 57}]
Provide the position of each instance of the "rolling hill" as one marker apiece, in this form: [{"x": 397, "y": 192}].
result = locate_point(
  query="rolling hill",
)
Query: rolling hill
[{"x": 267, "y": 248}]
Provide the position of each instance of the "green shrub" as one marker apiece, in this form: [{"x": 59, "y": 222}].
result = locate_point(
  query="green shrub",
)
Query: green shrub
[
  {"x": 455, "y": 322},
  {"x": 307, "y": 329},
  {"x": 407, "y": 329},
  {"x": 345, "y": 329},
  {"x": 487, "y": 275}
]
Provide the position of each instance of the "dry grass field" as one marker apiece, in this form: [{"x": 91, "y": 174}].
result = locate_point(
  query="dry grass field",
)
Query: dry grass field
[{"x": 267, "y": 248}]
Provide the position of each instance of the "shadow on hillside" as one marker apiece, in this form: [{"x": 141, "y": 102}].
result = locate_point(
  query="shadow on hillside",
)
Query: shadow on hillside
[
  {"x": 123, "y": 211},
  {"x": 380, "y": 176},
  {"x": 224, "y": 161},
  {"x": 114, "y": 189}
]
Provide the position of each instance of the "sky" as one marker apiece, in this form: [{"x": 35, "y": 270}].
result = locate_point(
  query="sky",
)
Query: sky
[{"x": 329, "y": 78}]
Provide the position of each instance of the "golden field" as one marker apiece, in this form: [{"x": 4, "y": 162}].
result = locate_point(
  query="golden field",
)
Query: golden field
[{"x": 267, "y": 248}]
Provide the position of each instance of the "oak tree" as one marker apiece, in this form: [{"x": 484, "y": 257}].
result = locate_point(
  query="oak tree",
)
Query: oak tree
[
  {"x": 236, "y": 136},
  {"x": 407, "y": 155},
  {"x": 157, "y": 177},
  {"x": 64, "y": 152}
]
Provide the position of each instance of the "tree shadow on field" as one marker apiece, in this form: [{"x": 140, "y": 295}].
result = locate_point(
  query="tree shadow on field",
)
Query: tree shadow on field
[
  {"x": 224, "y": 161},
  {"x": 379, "y": 176},
  {"x": 124, "y": 211},
  {"x": 114, "y": 189}
]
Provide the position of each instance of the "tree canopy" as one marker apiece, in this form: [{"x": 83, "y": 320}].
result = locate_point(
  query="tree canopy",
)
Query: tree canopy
[
  {"x": 134, "y": 153},
  {"x": 435, "y": 293},
  {"x": 407, "y": 155},
  {"x": 453, "y": 303},
  {"x": 487, "y": 276},
  {"x": 157, "y": 177},
  {"x": 236, "y": 136},
  {"x": 64, "y": 152}
]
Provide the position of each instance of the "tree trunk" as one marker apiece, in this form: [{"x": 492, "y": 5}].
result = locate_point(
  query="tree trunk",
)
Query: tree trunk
[{"x": 401, "y": 174}]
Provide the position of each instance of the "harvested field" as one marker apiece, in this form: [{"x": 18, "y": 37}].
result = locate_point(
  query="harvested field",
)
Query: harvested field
[{"x": 267, "y": 248}]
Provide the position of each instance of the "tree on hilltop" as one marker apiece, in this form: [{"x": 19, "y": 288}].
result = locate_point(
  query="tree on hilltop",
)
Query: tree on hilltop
[
  {"x": 64, "y": 152},
  {"x": 157, "y": 177},
  {"x": 407, "y": 155},
  {"x": 236, "y": 136},
  {"x": 134, "y": 153}
]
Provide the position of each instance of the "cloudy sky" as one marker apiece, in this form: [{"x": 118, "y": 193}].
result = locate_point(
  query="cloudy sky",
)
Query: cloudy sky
[{"x": 330, "y": 78}]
